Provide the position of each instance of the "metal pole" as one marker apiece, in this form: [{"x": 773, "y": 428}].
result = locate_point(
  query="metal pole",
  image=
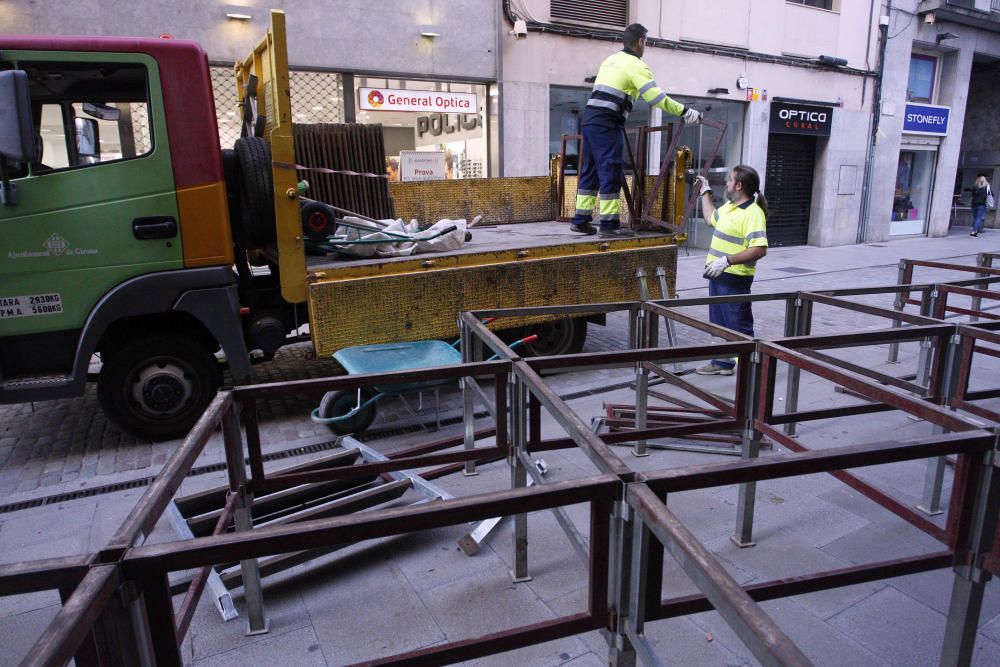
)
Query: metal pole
[
  {"x": 641, "y": 377},
  {"x": 743, "y": 537},
  {"x": 661, "y": 276},
  {"x": 794, "y": 312},
  {"x": 930, "y": 502},
  {"x": 898, "y": 304},
  {"x": 518, "y": 474},
  {"x": 620, "y": 650},
  {"x": 257, "y": 623},
  {"x": 970, "y": 580},
  {"x": 982, "y": 261},
  {"x": 468, "y": 399},
  {"x": 635, "y": 618}
]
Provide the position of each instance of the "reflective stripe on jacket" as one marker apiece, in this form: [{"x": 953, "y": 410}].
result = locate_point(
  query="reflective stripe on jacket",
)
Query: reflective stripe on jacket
[
  {"x": 736, "y": 229},
  {"x": 623, "y": 77}
]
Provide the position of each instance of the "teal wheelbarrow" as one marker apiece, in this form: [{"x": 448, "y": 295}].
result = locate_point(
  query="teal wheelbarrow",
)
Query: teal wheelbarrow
[{"x": 352, "y": 411}]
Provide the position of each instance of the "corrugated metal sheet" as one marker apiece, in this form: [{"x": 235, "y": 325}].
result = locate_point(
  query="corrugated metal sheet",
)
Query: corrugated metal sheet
[{"x": 420, "y": 305}]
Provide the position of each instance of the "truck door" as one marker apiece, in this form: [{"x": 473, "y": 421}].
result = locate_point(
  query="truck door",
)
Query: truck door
[{"x": 99, "y": 207}]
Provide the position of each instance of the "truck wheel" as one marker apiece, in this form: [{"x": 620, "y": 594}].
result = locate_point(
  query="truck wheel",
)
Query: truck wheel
[
  {"x": 157, "y": 387},
  {"x": 336, "y": 403},
  {"x": 256, "y": 191},
  {"x": 558, "y": 337}
]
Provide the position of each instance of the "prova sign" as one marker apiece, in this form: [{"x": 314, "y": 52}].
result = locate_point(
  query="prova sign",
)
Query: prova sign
[
  {"x": 787, "y": 118},
  {"x": 926, "y": 119},
  {"x": 431, "y": 101}
]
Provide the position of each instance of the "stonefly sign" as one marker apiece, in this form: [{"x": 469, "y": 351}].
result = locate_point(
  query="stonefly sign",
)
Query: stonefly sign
[{"x": 926, "y": 119}]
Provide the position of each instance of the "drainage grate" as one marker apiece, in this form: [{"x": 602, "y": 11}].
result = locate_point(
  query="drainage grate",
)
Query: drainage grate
[
  {"x": 795, "y": 269},
  {"x": 272, "y": 456}
]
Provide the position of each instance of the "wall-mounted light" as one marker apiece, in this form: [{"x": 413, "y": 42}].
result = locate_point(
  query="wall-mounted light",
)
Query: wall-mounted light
[
  {"x": 718, "y": 91},
  {"x": 590, "y": 79},
  {"x": 238, "y": 13},
  {"x": 941, "y": 36},
  {"x": 431, "y": 31}
]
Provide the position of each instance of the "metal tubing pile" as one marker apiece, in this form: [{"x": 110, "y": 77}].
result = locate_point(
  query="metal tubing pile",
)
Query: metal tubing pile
[{"x": 117, "y": 603}]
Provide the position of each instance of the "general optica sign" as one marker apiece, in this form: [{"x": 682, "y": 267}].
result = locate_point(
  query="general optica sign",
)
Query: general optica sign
[
  {"x": 391, "y": 99},
  {"x": 926, "y": 119}
]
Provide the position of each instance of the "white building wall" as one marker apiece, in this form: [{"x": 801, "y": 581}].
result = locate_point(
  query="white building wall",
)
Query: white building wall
[
  {"x": 767, "y": 27},
  {"x": 371, "y": 36}
]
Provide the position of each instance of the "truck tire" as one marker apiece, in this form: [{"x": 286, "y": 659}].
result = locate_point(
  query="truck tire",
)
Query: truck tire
[
  {"x": 158, "y": 386},
  {"x": 336, "y": 403},
  {"x": 256, "y": 191},
  {"x": 565, "y": 336}
]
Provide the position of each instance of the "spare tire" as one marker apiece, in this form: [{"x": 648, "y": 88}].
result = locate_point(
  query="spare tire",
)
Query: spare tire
[{"x": 256, "y": 191}]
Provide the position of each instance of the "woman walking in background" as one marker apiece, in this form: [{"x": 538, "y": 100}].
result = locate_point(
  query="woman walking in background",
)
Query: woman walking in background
[{"x": 981, "y": 194}]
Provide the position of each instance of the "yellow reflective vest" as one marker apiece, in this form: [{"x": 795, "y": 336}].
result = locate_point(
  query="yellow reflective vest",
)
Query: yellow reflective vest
[
  {"x": 737, "y": 227},
  {"x": 623, "y": 77}
]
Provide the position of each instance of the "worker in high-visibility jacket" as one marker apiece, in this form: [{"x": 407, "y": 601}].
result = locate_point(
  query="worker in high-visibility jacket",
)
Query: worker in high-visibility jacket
[
  {"x": 739, "y": 240},
  {"x": 622, "y": 78}
]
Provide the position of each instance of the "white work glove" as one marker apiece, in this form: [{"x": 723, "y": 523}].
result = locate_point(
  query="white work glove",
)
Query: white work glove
[
  {"x": 703, "y": 185},
  {"x": 692, "y": 116},
  {"x": 715, "y": 269}
]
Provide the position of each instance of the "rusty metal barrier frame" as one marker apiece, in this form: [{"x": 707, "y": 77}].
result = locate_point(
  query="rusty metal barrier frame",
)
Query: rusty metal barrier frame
[{"x": 123, "y": 590}]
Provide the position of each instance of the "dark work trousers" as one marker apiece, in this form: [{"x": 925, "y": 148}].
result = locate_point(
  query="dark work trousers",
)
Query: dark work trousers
[
  {"x": 735, "y": 316},
  {"x": 602, "y": 171}
]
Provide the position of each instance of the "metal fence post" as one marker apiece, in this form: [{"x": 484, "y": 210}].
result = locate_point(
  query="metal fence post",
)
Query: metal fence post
[
  {"x": 468, "y": 399},
  {"x": 257, "y": 623},
  {"x": 518, "y": 474},
  {"x": 801, "y": 318},
  {"x": 930, "y": 502},
  {"x": 635, "y": 618},
  {"x": 982, "y": 261},
  {"x": 743, "y": 536},
  {"x": 620, "y": 650},
  {"x": 161, "y": 623},
  {"x": 641, "y": 376},
  {"x": 899, "y": 303},
  {"x": 971, "y": 579}
]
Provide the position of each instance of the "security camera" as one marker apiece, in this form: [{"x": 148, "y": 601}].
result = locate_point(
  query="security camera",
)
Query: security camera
[{"x": 520, "y": 30}]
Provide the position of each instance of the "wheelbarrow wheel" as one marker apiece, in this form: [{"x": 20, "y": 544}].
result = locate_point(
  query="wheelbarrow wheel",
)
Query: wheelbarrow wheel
[{"x": 337, "y": 403}]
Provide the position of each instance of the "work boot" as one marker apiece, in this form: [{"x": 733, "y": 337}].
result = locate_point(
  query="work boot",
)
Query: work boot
[
  {"x": 616, "y": 233},
  {"x": 583, "y": 228},
  {"x": 713, "y": 369}
]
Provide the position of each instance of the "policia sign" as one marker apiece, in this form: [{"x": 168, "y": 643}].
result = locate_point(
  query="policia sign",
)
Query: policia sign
[{"x": 789, "y": 118}]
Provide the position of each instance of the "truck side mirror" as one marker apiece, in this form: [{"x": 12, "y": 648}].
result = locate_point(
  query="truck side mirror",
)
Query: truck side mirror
[
  {"x": 17, "y": 134},
  {"x": 88, "y": 140}
]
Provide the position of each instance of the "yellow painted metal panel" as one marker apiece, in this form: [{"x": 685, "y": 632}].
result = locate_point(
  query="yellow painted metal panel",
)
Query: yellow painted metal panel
[
  {"x": 205, "y": 241},
  {"x": 498, "y": 200},
  {"x": 423, "y": 305},
  {"x": 269, "y": 63}
]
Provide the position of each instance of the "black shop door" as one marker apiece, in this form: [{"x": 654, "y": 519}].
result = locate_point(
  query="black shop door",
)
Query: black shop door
[{"x": 788, "y": 186}]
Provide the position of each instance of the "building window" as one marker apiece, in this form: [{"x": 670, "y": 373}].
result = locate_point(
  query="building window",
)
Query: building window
[
  {"x": 597, "y": 12},
  {"x": 818, "y": 4},
  {"x": 923, "y": 71}
]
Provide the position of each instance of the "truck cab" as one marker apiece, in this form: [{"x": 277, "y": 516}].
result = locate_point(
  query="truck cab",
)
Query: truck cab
[{"x": 115, "y": 229}]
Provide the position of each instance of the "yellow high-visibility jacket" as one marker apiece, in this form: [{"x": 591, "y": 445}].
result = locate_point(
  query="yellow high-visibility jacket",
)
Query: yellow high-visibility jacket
[{"x": 623, "y": 77}]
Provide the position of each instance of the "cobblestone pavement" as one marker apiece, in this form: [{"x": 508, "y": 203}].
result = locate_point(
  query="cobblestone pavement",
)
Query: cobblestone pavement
[{"x": 59, "y": 446}]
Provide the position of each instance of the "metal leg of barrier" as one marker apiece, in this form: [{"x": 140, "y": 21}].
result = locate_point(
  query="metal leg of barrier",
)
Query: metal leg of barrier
[
  {"x": 161, "y": 623},
  {"x": 970, "y": 580},
  {"x": 898, "y": 304},
  {"x": 641, "y": 329},
  {"x": 930, "y": 502},
  {"x": 743, "y": 536},
  {"x": 977, "y": 301},
  {"x": 620, "y": 651},
  {"x": 253, "y": 594},
  {"x": 793, "y": 327},
  {"x": 519, "y": 477},
  {"x": 468, "y": 399},
  {"x": 670, "y": 329},
  {"x": 635, "y": 617}
]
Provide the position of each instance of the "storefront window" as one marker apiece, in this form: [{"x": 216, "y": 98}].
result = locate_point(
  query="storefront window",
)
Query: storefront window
[
  {"x": 417, "y": 116},
  {"x": 911, "y": 201}
]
